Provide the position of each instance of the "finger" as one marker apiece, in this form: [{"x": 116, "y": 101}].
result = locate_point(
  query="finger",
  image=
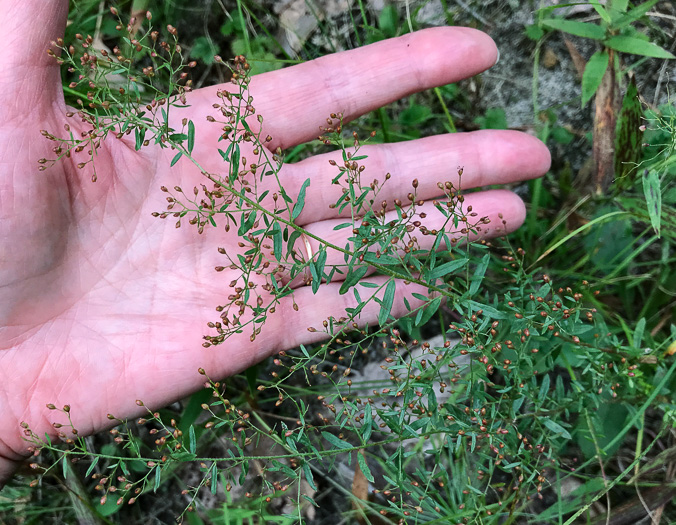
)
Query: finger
[
  {"x": 488, "y": 157},
  {"x": 296, "y": 101},
  {"x": 31, "y": 78},
  {"x": 489, "y": 214}
]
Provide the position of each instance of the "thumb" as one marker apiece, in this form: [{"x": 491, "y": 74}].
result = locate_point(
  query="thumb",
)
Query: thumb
[{"x": 31, "y": 78}]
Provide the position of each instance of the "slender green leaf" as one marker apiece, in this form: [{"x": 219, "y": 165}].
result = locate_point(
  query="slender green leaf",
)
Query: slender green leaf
[
  {"x": 277, "y": 242},
  {"x": 353, "y": 276},
  {"x": 605, "y": 16},
  {"x": 582, "y": 29},
  {"x": 426, "y": 314},
  {"x": 386, "y": 305},
  {"x": 653, "y": 198},
  {"x": 620, "y": 5},
  {"x": 175, "y": 159},
  {"x": 544, "y": 388},
  {"x": 158, "y": 478},
  {"x": 367, "y": 425},
  {"x": 300, "y": 203},
  {"x": 636, "y": 46},
  {"x": 214, "y": 478},
  {"x": 555, "y": 427},
  {"x": 336, "y": 442},
  {"x": 307, "y": 471},
  {"x": 479, "y": 273},
  {"x": 633, "y": 15},
  {"x": 638, "y": 333},
  {"x": 593, "y": 75},
  {"x": 446, "y": 268},
  {"x": 92, "y": 466},
  {"x": 363, "y": 466},
  {"x": 191, "y": 136},
  {"x": 192, "y": 440}
]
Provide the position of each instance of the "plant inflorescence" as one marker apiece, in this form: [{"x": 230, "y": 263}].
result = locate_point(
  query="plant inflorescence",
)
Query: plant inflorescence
[{"x": 465, "y": 427}]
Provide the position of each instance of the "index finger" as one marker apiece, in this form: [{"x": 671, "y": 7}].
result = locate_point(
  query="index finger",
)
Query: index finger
[{"x": 296, "y": 101}]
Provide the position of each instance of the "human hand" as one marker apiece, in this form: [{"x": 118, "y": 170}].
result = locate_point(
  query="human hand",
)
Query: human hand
[{"x": 101, "y": 304}]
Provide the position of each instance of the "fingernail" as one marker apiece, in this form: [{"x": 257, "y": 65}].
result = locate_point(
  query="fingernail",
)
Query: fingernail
[{"x": 498, "y": 58}]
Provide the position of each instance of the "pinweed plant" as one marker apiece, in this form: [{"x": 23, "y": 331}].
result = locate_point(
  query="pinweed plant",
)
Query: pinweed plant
[{"x": 528, "y": 382}]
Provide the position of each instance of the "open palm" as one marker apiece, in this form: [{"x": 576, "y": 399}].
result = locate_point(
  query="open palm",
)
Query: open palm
[{"x": 102, "y": 304}]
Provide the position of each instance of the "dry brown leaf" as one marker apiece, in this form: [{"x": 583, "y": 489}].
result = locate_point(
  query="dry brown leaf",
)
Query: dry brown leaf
[
  {"x": 360, "y": 488},
  {"x": 578, "y": 61}
]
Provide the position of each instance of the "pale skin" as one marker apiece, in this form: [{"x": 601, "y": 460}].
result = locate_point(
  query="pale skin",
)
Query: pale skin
[{"x": 102, "y": 304}]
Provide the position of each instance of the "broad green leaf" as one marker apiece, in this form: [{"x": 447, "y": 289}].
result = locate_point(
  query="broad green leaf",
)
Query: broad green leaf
[
  {"x": 386, "y": 305},
  {"x": 300, "y": 203},
  {"x": 363, "y": 466},
  {"x": 636, "y": 46},
  {"x": 555, "y": 427},
  {"x": 495, "y": 118},
  {"x": 582, "y": 29},
  {"x": 204, "y": 49},
  {"x": 633, "y": 15},
  {"x": 191, "y": 136},
  {"x": 619, "y": 5},
  {"x": 388, "y": 21},
  {"x": 593, "y": 75},
  {"x": 353, "y": 276},
  {"x": 415, "y": 115},
  {"x": 653, "y": 198},
  {"x": 534, "y": 32},
  {"x": 336, "y": 442}
]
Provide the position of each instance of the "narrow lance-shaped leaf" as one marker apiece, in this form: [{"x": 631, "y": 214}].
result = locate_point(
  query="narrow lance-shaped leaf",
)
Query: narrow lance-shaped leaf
[
  {"x": 653, "y": 198},
  {"x": 386, "y": 305},
  {"x": 637, "y": 46},
  {"x": 363, "y": 466},
  {"x": 300, "y": 203},
  {"x": 175, "y": 159},
  {"x": 601, "y": 11},
  {"x": 638, "y": 333},
  {"x": 353, "y": 276},
  {"x": 479, "y": 273},
  {"x": 191, "y": 136},
  {"x": 582, "y": 29},
  {"x": 336, "y": 442},
  {"x": 633, "y": 15},
  {"x": 593, "y": 75}
]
